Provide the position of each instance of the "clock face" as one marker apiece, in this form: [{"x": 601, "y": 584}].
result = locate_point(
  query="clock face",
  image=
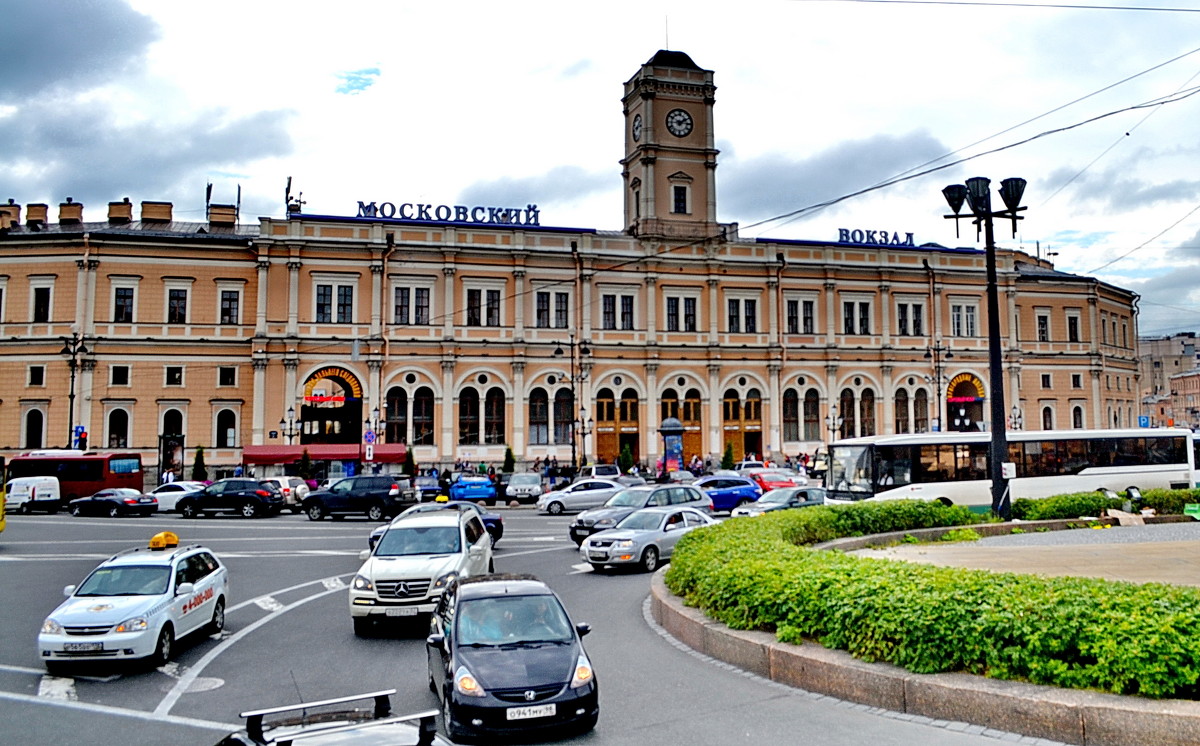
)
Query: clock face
[
  {"x": 679, "y": 122},
  {"x": 637, "y": 127}
]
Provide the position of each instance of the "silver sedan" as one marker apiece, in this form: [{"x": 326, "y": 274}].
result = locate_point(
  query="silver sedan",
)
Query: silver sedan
[
  {"x": 643, "y": 538},
  {"x": 581, "y": 495}
]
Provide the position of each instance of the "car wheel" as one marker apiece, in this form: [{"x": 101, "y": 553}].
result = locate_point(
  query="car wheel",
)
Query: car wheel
[
  {"x": 491, "y": 566},
  {"x": 218, "y": 618},
  {"x": 162, "y": 651},
  {"x": 249, "y": 509},
  {"x": 75, "y": 510},
  {"x": 24, "y": 509},
  {"x": 188, "y": 510},
  {"x": 741, "y": 502},
  {"x": 453, "y": 729},
  {"x": 114, "y": 511},
  {"x": 362, "y": 626},
  {"x": 432, "y": 685},
  {"x": 554, "y": 508},
  {"x": 650, "y": 559},
  {"x": 375, "y": 512},
  {"x": 315, "y": 511}
]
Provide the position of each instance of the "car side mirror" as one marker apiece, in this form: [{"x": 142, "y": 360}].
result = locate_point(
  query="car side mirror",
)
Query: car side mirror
[
  {"x": 185, "y": 589},
  {"x": 364, "y": 554},
  {"x": 583, "y": 628},
  {"x": 70, "y": 589},
  {"x": 435, "y": 641}
]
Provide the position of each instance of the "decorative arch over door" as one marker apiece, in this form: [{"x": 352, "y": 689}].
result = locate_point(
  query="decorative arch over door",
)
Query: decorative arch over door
[{"x": 332, "y": 411}]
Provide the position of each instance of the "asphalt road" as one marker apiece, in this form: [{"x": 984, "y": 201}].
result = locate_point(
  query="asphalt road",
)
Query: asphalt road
[{"x": 288, "y": 638}]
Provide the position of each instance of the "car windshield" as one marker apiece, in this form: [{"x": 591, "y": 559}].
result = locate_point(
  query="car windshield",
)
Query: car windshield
[
  {"x": 427, "y": 482},
  {"x": 409, "y": 540},
  {"x": 518, "y": 479},
  {"x": 777, "y": 496},
  {"x": 132, "y": 580},
  {"x": 640, "y": 521},
  {"x": 628, "y": 499},
  {"x": 513, "y": 620}
]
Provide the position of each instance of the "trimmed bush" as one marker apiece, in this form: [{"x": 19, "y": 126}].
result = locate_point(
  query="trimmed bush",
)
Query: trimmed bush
[{"x": 751, "y": 573}]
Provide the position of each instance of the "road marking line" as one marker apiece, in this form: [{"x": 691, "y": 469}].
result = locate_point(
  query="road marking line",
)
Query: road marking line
[
  {"x": 267, "y": 603},
  {"x": 54, "y": 687},
  {"x": 121, "y": 711},
  {"x": 585, "y": 567},
  {"x": 333, "y": 583}
]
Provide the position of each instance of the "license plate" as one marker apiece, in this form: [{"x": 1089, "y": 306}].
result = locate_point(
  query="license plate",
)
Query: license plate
[
  {"x": 146, "y": 499},
  {"x": 536, "y": 711},
  {"x": 401, "y": 612},
  {"x": 598, "y": 556},
  {"x": 83, "y": 647}
]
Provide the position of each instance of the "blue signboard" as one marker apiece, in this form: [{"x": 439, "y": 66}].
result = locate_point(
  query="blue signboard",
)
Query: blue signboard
[{"x": 1143, "y": 420}]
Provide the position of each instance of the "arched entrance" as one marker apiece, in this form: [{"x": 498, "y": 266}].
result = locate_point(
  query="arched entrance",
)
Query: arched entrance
[
  {"x": 332, "y": 411},
  {"x": 964, "y": 403}
]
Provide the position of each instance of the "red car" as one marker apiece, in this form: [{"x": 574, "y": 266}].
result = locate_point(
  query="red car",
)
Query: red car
[{"x": 772, "y": 479}]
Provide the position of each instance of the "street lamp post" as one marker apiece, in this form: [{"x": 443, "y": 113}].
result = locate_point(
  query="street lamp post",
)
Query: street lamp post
[
  {"x": 288, "y": 427},
  {"x": 977, "y": 194},
  {"x": 73, "y": 346},
  {"x": 584, "y": 426},
  {"x": 934, "y": 353},
  {"x": 1018, "y": 421},
  {"x": 833, "y": 423},
  {"x": 574, "y": 378}
]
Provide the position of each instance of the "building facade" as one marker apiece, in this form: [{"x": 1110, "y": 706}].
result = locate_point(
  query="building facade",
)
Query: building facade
[{"x": 461, "y": 331}]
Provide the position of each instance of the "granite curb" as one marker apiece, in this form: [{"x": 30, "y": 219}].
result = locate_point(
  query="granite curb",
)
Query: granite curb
[{"x": 1081, "y": 717}]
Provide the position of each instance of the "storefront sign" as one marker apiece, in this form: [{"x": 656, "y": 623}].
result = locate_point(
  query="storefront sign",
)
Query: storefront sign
[
  {"x": 450, "y": 213},
  {"x": 337, "y": 374},
  {"x": 972, "y": 386},
  {"x": 871, "y": 238}
]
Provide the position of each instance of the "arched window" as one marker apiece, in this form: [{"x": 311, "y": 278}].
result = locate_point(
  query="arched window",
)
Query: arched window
[
  {"x": 118, "y": 429},
  {"x": 172, "y": 422},
  {"x": 539, "y": 417},
  {"x": 791, "y": 415},
  {"x": 606, "y": 408},
  {"x": 902, "y": 421},
  {"x": 1047, "y": 418},
  {"x": 921, "y": 411},
  {"x": 396, "y": 415},
  {"x": 846, "y": 410},
  {"x": 812, "y": 415},
  {"x": 422, "y": 417},
  {"x": 629, "y": 406},
  {"x": 670, "y": 404},
  {"x": 493, "y": 417},
  {"x": 564, "y": 415},
  {"x": 226, "y": 429},
  {"x": 1077, "y": 418},
  {"x": 732, "y": 406},
  {"x": 692, "y": 407},
  {"x": 753, "y": 406},
  {"x": 35, "y": 425},
  {"x": 866, "y": 408},
  {"x": 468, "y": 417}
]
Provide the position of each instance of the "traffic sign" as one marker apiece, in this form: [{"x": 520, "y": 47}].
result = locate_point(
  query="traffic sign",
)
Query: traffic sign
[
  {"x": 370, "y": 455},
  {"x": 1143, "y": 420},
  {"x": 369, "y": 436}
]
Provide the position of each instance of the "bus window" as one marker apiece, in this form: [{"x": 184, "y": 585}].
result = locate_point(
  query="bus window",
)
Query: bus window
[{"x": 971, "y": 460}]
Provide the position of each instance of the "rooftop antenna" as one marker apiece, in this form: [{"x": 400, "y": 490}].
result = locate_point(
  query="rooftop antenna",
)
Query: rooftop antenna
[{"x": 666, "y": 32}]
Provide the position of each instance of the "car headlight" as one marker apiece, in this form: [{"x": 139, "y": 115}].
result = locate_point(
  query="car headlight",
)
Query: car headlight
[
  {"x": 583, "y": 672},
  {"x": 605, "y": 522},
  {"x": 51, "y": 627},
  {"x": 446, "y": 579},
  {"x": 466, "y": 684},
  {"x": 362, "y": 583},
  {"x": 136, "y": 624},
  {"x": 624, "y": 544}
]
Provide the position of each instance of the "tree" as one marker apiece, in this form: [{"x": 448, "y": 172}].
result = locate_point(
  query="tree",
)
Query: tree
[
  {"x": 727, "y": 459},
  {"x": 625, "y": 458},
  {"x": 304, "y": 467},
  {"x": 510, "y": 463},
  {"x": 199, "y": 471}
]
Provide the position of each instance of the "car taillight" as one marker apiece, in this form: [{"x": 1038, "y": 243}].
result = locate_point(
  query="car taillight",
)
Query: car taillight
[
  {"x": 287, "y": 490},
  {"x": 129, "y": 501},
  {"x": 262, "y": 493},
  {"x": 395, "y": 490}
]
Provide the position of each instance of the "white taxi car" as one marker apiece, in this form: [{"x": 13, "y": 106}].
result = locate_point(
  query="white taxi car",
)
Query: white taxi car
[{"x": 136, "y": 604}]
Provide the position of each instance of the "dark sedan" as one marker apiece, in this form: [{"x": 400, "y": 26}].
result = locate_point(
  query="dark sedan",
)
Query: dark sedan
[
  {"x": 114, "y": 502},
  {"x": 493, "y": 522}
]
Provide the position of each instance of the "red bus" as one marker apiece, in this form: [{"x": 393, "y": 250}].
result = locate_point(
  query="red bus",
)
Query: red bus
[{"x": 80, "y": 473}]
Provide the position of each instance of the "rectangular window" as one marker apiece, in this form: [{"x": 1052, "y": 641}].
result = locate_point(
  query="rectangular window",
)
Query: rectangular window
[
  {"x": 37, "y": 375},
  {"x": 808, "y": 317},
  {"x": 918, "y": 320},
  {"x": 410, "y": 306},
  {"x": 123, "y": 306},
  {"x": 542, "y": 310},
  {"x": 910, "y": 319},
  {"x": 608, "y": 312},
  {"x": 864, "y": 318},
  {"x": 672, "y": 314},
  {"x": 848, "y": 318},
  {"x": 1072, "y": 328},
  {"x": 176, "y": 306},
  {"x": 400, "y": 306},
  {"x": 793, "y": 318},
  {"x": 750, "y": 315},
  {"x": 119, "y": 375},
  {"x": 1076, "y": 380},
  {"x": 226, "y": 375},
  {"x": 421, "y": 306},
  {"x": 324, "y": 304},
  {"x": 962, "y": 320},
  {"x": 627, "y": 312},
  {"x": 680, "y": 206},
  {"x": 474, "y": 307},
  {"x": 345, "y": 305},
  {"x": 562, "y": 308},
  {"x": 689, "y": 314},
  {"x": 231, "y": 301},
  {"x": 41, "y": 304},
  {"x": 174, "y": 375},
  {"x": 1043, "y": 328},
  {"x": 902, "y": 319},
  {"x": 1045, "y": 380},
  {"x": 493, "y": 308},
  {"x": 735, "y": 319}
]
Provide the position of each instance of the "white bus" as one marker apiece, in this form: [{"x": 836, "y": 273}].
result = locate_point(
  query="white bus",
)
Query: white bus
[{"x": 953, "y": 466}]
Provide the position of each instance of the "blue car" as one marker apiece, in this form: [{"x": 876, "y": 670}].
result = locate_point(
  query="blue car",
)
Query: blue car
[
  {"x": 728, "y": 493},
  {"x": 473, "y": 487}
]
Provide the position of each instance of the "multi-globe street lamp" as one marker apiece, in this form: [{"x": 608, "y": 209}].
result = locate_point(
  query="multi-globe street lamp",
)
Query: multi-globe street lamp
[
  {"x": 938, "y": 354},
  {"x": 576, "y": 363},
  {"x": 73, "y": 347},
  {"x": 288, "y": 427}
]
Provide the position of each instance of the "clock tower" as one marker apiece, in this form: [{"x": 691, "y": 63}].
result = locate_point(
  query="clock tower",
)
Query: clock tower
[{"x": 670, "y": 164}]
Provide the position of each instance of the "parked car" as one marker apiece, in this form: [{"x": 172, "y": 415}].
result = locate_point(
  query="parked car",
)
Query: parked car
[
  {"x": 27, "y": 494},
  {"x": 249, "y": 498},
  {"x": 522, "y": 487},
  {"x": 728, "y": 492},
  {"x": 644, "y": 538},
  {"x": 493, "y": 522},
  {"x": 633, "y": 498},
  {"x": 423, "y": 489},
  {"x": 413, "y": 563},
  {"x": 581, "y": 495},
  {"x": 603, "y": 471},
  {"x": 782, "y": 499},
  {"x": 473, "y": 487},
  {"x": 294, "y": 491},
  {"x": 743, "y": 465},
  {"x": 114, "y": 502},
  {"x": 775, "y": 478},
  {"x": 506, "y": 660},
  {"x": 320, "y": 724},
  {"x": 168, "y": 494},
  {"x": 376, "y": 496}
]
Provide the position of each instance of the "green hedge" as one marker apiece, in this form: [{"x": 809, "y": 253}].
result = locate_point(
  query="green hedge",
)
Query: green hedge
[
  {"x": 1164, "y": 502},
  {"x": 750, "y": 573}
]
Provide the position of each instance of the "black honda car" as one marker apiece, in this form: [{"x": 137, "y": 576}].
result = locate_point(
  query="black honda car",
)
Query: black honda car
[{"x": 505, "y": 659}]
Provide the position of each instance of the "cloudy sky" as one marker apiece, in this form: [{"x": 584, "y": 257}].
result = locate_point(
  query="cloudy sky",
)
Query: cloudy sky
[{"x": 513, "y": 103}]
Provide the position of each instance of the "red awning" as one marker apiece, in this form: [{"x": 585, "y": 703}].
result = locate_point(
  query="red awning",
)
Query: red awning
[{"x": 386, "y": 453}]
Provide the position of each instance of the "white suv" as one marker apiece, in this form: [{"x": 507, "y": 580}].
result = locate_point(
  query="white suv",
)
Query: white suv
[
  {"x": 136, "y": 604},
  {"x": 414, "y": 561}
]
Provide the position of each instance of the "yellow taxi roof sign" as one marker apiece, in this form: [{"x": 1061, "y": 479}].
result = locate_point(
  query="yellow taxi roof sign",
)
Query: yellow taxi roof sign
[{"x": 164, "y": 540}]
